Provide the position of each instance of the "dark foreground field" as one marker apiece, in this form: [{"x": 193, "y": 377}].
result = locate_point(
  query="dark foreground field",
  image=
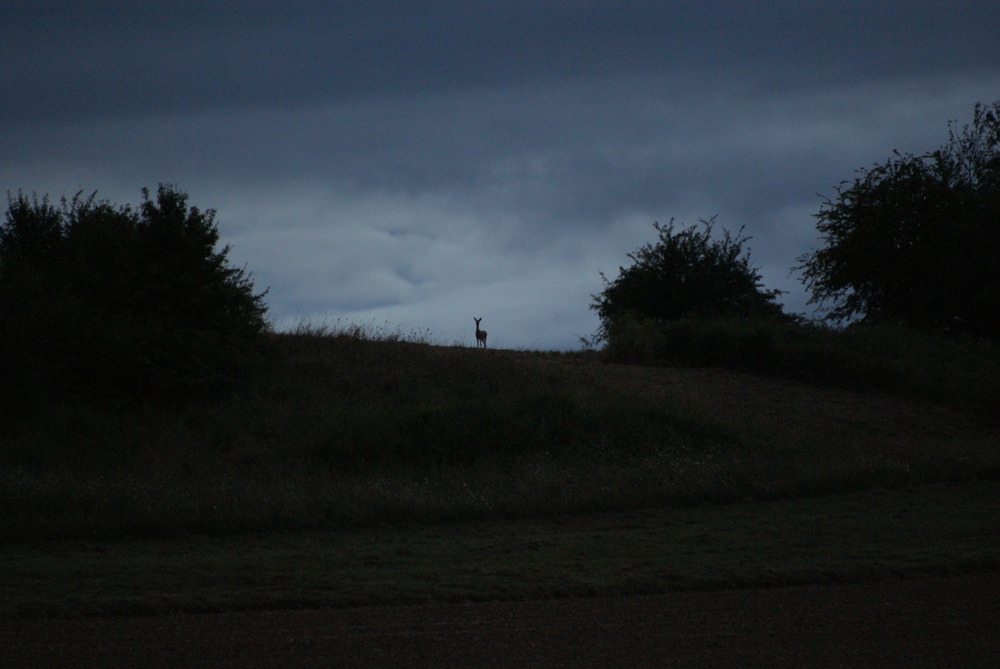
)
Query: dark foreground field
[
  {"x": 930, "y": 622},
  {"x": 371, "y": 503},
  {"x": 905, "y": 577}
]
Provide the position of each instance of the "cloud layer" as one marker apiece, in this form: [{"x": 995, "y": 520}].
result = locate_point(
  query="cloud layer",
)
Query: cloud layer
[{"x": 427, "y": 164}]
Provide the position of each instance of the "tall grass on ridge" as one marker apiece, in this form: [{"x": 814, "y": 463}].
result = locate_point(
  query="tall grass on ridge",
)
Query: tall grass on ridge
[
  {"x": 962, "y": 372},
  {"x": 336, "y": 429}
]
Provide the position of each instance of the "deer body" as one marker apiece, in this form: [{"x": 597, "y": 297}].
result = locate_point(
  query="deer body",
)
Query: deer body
[{"x": 480, "y": 334}]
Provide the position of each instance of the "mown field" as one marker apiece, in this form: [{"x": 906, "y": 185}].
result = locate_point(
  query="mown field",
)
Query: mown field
[{"x": 351, "y": 469}]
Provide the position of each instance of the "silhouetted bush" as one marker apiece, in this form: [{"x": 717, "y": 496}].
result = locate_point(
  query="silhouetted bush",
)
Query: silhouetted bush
[
  {"x": 105, "y": 302},
  {"x": 686, "y": 274}
]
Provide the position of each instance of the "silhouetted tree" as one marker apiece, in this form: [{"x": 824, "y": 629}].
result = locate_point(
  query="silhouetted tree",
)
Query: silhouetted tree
[
  {"x": 105, "y": 301},
  {"x": 917, "y": 239},
  {"x": 686, "y": 274}
]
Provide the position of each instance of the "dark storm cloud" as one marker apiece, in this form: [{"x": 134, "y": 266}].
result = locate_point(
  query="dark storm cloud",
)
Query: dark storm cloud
[
  {"x": 429, "y": 161},
  {"x": 79, "y": 60}
]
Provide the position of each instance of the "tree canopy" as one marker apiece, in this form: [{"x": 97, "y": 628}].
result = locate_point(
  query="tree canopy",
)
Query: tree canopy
[
  {"x": 98, "y": 300},
  {"x": 917, "y": 239},
  {"x": 686, "y": 273}
]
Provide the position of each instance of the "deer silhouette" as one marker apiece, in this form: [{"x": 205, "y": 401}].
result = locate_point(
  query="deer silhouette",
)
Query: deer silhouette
[{"x": 480, "y": 334}]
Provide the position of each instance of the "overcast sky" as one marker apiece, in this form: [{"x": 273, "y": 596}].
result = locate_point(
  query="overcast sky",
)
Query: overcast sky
[{"x": 420, "y": 163}]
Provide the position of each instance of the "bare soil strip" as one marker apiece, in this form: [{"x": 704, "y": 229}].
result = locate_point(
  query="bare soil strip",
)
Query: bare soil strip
[{"x": 929, "y": 622}]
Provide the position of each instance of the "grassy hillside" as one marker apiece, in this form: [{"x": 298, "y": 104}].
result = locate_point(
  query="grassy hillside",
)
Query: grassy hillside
[{"x": 342, "y": 430}]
